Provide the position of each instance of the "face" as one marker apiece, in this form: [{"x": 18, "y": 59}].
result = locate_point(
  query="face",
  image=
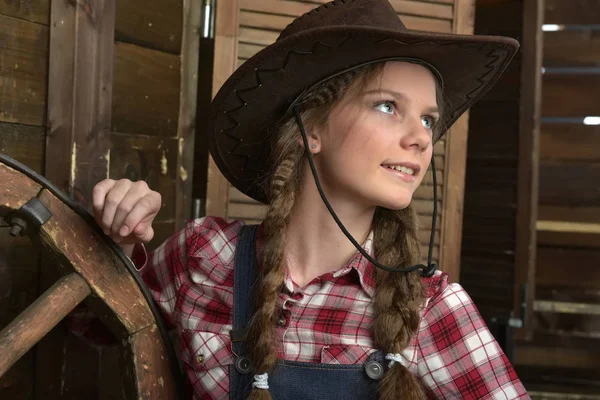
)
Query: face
[{"x": 376, "y": 145}]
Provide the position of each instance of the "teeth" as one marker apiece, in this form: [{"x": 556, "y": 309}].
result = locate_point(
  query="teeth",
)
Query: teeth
[{"x": 403, "y": 169}]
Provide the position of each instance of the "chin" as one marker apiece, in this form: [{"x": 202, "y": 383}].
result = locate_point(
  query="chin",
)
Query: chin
[{"x": 394, "y": 203}]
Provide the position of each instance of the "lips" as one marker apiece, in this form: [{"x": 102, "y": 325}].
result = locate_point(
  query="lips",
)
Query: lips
[{"x": 405, "y": 168}]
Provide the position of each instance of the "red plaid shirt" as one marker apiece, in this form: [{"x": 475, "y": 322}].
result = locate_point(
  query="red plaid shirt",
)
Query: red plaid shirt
[{"x": 328, "y": 321}]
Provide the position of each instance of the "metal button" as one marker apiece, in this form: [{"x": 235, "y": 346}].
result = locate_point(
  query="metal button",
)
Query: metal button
[
  {"x": 243, "y": 365},
  {"x": 281, "y": 321},
  {"x": 200, "y": 358},
  {"x": 374, "y": 369}
]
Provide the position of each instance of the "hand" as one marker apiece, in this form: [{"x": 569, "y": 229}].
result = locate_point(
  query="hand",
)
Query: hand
[{"x": 125, "y": 210}]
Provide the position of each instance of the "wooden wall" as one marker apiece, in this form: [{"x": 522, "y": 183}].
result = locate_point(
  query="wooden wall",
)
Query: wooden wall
[
  {"x": 488, "y": 251},
  {"x": 253, "y": 24},
  {"x": 567, "y": 279},
  {"x": 152, "y": 108}
]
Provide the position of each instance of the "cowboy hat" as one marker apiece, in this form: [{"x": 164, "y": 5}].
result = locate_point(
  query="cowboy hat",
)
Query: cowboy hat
[{"x": 329, "y": 40}]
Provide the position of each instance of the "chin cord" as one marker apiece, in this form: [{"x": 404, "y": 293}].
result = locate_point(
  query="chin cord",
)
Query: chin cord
[{"x": 426, "y": 270}]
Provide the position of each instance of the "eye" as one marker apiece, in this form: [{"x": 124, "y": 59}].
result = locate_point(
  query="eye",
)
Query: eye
[
  {"x": 386, "y": 106},
  {"x": 428, "y": 121}
]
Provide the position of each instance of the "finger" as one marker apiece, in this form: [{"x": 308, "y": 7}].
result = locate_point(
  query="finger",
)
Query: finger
[
  {"x": 113, "y": 199},
  {"x": 144, "y": 211},
  {"x": 136, "y": 193},
  {"x": 144, "y": 232},
  {"x": 99, "y": 197}
]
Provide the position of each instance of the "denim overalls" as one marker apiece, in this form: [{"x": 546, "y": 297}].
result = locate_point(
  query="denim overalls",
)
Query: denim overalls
[{"x": 290, "y": 380}]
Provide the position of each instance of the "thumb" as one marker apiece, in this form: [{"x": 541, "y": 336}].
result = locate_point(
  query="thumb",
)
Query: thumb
[{"x": 144, "y": 232}]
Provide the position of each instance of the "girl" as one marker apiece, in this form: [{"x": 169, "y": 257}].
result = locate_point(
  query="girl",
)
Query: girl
[{"x": 333, "y": 127}]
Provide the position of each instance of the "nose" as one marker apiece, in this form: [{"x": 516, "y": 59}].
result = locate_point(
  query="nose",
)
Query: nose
[{"x": 416, "y": 136}]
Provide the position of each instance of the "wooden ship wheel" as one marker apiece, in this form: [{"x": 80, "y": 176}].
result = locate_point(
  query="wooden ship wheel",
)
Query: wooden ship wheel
[{"x": 92, "y": 268}]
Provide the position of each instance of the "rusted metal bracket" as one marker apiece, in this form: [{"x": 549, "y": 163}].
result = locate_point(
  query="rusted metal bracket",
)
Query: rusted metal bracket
[{"x": 33, "y": 214}]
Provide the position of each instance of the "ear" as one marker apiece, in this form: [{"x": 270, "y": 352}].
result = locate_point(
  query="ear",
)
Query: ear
[{"x": 314, "y": 140}]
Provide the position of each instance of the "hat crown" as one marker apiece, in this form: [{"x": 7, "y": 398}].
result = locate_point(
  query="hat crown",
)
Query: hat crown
[{"x": 368, "y": 13}]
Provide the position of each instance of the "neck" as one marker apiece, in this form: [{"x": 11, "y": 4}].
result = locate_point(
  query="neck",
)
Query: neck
[{"x": 315, "y": 244}]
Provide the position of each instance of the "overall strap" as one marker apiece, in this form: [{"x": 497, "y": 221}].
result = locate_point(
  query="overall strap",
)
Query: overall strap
[{"x": 245, "y": 276}]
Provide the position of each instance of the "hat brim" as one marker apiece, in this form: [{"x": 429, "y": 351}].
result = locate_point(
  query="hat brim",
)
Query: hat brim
[{"x": 260, "y": 91}]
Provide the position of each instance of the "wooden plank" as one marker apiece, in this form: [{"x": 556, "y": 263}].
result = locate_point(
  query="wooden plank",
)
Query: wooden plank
[
  {"x": 225, "y": 58},
  {"x": 292, "y": 8},
  {"x": 573, "y": 12},
  {"x": 573, "y": 214},
  {"x": 264, "y": 21},
  {"x": 528, "y": 177},
  {"x": 37, "y": 11},
  {"x": 79, "y": 95},
  {"x": 277, "y": 23},
  {"x": 40, "y": 317},
  {"x": 565, "y": 307},
  {"x": 24, "y": 143},
  {"x": 582, "y": 90},
  {"x": 435, "y": 9},
  {"x": 553, "y": 238},
  {"x": 562, "y": 226},
  {"x": 187, "y": 112},
  {"x": 427, "y": 24},
  {"x": 146, "y": 91},
  {"x": 156, "y": 25},
  {"x": 556, "y": 357},
  {"x": 570, "y": 143},
  {"x": 148, "y": 158},
  {"x": 553, "y": 269},
  {"x": 578, "y": 48},
  {"x": 454, "y": 185},
  {"x": 23, "y": 71},
  {"x": 570, "y": 184},
  {"x": 257, "y": 36}
]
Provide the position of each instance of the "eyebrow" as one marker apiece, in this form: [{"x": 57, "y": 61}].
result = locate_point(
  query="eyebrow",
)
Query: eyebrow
[{"x": 400, "y": 96}]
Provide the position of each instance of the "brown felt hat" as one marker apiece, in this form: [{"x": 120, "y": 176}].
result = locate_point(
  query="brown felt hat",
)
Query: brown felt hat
[{"x": 329, "y": 40}]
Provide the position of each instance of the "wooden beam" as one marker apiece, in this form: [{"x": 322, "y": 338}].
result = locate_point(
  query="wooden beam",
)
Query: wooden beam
[
  {"x": 564, "y": 226},
  {"x": 187, "y": 110},
  {"x": 40, "y": 317},
  {"x": 225, "y": 58},
  {"x": 529, "y": 132},
  {"x": 80, "y": 95},
  {"x": 455, "y": 165},
  {"x": 23, "y": 71}
]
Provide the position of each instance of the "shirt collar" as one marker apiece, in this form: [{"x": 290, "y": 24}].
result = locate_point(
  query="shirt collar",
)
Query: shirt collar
[{"x": 359, "y": 264}]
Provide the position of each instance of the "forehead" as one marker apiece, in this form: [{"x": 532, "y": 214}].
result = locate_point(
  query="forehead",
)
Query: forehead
[{"x": 405, "y": 77}]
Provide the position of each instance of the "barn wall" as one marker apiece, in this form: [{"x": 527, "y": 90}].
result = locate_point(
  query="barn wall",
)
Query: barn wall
[
  {"x": 153, "y": 110},
  {"x": 488, "y": 251},
  {"x": 564, "y": 352},
  {"x": 24, "y": 36}
]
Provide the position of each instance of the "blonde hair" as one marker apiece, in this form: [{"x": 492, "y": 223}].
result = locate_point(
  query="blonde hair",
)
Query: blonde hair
[{"x": 398, "y": 296}]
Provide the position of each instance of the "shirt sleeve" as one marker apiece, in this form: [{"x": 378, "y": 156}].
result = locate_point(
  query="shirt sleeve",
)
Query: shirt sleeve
[{"x": 459, "y": 358}]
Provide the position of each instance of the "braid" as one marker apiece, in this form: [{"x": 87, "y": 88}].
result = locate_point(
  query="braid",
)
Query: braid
[
  {"x": 283, "y": 186},
  {"x": 398, "y": 298},
  {"x": 262, "y": 331}
]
